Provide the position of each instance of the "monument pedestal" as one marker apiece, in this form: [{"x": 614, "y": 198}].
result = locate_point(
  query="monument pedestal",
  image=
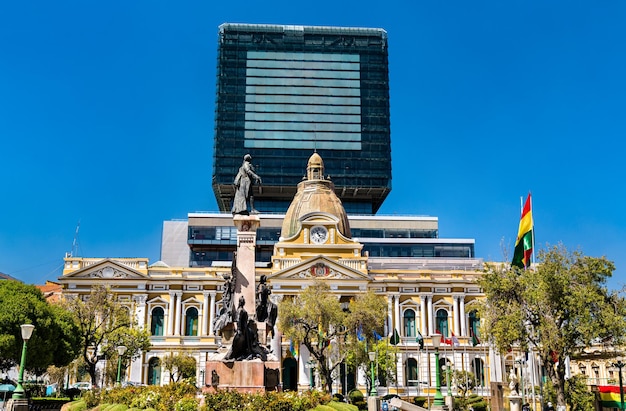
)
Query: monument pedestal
[
  {"x": 243, "y": 376},
  {"x": 515, "y": 403}
]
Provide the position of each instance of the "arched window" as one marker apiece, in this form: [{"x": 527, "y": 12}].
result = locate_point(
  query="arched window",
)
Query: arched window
[
  {"x": 412, "y": 379},
  {"x": 156, "y": 324},
  {"x": 474, "y": 327},
  {"x": 409, "y": 323},
  {"x": 191, "y": 321},
  {"x": 442, "y": 322},
  {"x": 478, "y": 369},
  {"x": 154, "y": 371}
]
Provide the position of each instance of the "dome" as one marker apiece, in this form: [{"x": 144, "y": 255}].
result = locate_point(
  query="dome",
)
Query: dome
[{"x": 315, "y": 194}]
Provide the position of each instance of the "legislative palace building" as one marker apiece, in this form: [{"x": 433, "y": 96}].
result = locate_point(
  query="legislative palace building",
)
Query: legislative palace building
[{"x": 310, "y": 105}]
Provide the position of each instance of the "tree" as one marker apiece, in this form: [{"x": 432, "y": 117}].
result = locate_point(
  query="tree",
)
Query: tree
[
  {"x": 315, "y": 318},
  {"x": 105, "y": 324},
  {"x": 556, "y": 309},
  {"x": 366, "y": 320},
  {"x": 55, "y": 338},
  {"x": 179, "y": 366},
  {"x": 464, "y": 381}
]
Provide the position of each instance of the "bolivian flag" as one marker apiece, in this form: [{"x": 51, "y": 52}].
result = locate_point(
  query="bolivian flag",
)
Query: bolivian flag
[
  {"x": 609, "y": 396},
  {"x": 524, "y": 242}
]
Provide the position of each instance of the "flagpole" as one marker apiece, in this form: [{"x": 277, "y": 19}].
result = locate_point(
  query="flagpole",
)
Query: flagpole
[{"x": 533, "y": 226}]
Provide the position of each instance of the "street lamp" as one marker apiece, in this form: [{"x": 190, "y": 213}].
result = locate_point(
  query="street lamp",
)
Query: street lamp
[
  {"x": 372, "y": 355},
  {"x": 310, "y": 365},
  {"x": 439, "y": 402},
  {"x": 121, "y": 349},
  {"x": 619, "y": 364},
  {"x": 27, "y": 331}
]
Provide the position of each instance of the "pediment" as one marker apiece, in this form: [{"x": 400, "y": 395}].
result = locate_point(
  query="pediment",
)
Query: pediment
[
  {"x": 108, "y": 269},
  {"x": 319, "y": 267}
]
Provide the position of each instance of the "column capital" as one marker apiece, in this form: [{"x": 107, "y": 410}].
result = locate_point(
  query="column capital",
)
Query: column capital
[{"x": 140, "y": 298}]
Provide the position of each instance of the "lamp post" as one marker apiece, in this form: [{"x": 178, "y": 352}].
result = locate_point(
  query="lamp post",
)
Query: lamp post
[
  {"x": 27, "y": 331},
  {"x": 449, "y": 379},
  {"x": 439, "y": 402},
  {"x": 619, "y": 364},
  {"x": 121, "y": 349},
  {"x": 310, "y": 365},
  {"x": 372, "y": 355}
]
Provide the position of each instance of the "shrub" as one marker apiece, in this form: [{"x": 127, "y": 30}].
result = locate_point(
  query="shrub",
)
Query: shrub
[
  {"x": 419, "y": 401},
  {"x": 186, "y": 404},
  {"x": 342, "y": 406},
  {"x": 77, "y": 406},
  {"x": 355, "y": 396}
]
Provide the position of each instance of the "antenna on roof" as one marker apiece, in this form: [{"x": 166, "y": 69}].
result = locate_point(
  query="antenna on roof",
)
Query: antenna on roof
[{"x": 74, "y": 252}]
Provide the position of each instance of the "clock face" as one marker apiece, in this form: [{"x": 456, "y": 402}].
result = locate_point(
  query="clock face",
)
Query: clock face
[{"x": 319, "y": 234}]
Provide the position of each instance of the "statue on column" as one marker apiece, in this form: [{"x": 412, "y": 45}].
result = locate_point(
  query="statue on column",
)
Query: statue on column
[
  {"x": 227, "y": 313},
  {"x": 245, "y": 344},
  {"x": 266, "y": 310},
  {"x": 244, "y": 183}
]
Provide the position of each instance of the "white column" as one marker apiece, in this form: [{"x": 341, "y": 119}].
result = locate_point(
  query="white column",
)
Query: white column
[
  {"x": 140, "y": 309},
  {"x": 423, "y": 328},
  {"x": 170, "y": 314},
  {"x": 462, "y": 314},
  {"x": 211, "y": 312},
  {"x": 431, "y": 320},
  {"x": 275, "y": 344},
  {"x": 389, "y": 315},
  {"x": 455, "y": 315},
  {"x": 205, "y": 314},
  {"x": 179, "y": 315},
  {"x": 396, "y": 309}
]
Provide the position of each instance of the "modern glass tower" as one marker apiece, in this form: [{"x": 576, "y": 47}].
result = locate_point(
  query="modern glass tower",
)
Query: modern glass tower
[{"x": 286, "y": 91}]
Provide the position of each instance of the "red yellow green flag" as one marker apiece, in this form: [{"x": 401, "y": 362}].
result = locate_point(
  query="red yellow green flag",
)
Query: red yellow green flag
[{"x": 524, "y": 242}]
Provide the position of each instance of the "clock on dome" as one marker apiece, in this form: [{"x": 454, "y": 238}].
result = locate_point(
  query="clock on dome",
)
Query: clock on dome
[{"x": 319, "y": 234}]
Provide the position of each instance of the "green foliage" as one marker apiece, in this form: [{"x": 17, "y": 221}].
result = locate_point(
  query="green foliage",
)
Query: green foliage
[
  {"x": 233, "y": 400},
  {"x": 179, "y": 366},
  {"x": 557, "y": 309},
  {"x": 579, "y": 398},
  {"x": 342, "y": 406},
  {"x": 386, "y": 355},
  {"x": 55, "y": 338},
  {"x": 420, "y": 401},
  {"x": 77, "y": 406},
  {"x": 104, "y": 324},
  {"x": 355, "y": 395},
  {"x": 186, "y": 404},
  {"x": 315, "y": 318},
  {"x": 465, "y": 381}
]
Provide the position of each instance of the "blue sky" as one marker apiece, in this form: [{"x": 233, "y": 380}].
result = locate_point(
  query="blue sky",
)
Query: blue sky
[{"x": 106, "y": 117}]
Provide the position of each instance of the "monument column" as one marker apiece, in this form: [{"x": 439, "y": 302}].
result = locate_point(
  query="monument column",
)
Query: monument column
[{"x": 246, "y": 248}]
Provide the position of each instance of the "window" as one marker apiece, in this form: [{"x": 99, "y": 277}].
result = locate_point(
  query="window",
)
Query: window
[
  {"x": 156, "y": 325},
  {"x": 442, "y": 322},
  {"x": 191, "y": 321},
  {"x": 154, "y": 371},
  {"x": 412, "y": 379},
  {"x": 479, "y": 371},
  {"x": 474, "y": 324},
  {"x": 409, "y": 323}
]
